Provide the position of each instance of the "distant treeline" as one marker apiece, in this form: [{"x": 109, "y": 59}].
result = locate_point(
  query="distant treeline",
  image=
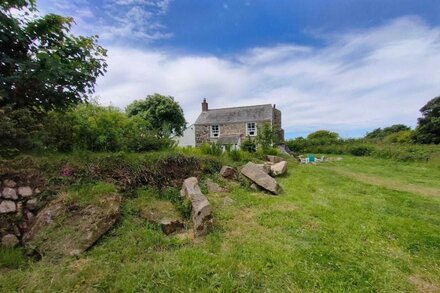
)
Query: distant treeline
[{"x": 395, "y": 142}]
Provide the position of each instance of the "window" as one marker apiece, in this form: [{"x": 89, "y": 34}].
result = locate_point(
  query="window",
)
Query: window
[
  {"x": 251, "y": 129},
  {"x": 215, "y": 130}
]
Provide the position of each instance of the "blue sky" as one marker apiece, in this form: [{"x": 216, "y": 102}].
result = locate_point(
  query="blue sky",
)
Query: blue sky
[{"x": 343, "y": 65}]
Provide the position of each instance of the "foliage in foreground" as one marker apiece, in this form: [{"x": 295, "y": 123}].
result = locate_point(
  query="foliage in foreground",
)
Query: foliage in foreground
[
  {"x": 127, "y": 171},
  {"x": 43, "y": 66}
]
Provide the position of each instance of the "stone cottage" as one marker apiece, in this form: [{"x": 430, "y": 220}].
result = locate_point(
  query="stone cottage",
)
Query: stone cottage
[{"x": 229, "y": 126}]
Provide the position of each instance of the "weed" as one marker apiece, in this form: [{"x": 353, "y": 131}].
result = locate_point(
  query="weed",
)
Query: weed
[{"x": 12, "y": 258}]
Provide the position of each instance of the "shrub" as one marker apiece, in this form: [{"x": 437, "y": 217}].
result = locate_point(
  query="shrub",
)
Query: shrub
[
  {"x": 361, "y": 150},
  {"x": 322, "y": 137},
  {"x": 404, "y": 136},
  {"x": 266, "y": 136},
  {"x": 297, "y": 145},
  {"x": 235, "y": 155},
  {"x": 213, "y": 149},
  {"x": 95, "y": 128},
  {"x": 19, "y": 130},
  {"x": 249, "y": 145}
]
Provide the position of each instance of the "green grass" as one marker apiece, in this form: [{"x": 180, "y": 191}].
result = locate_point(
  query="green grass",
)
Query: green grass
[
  {"x": 89, "y": 193},
  {"x": 326, "y": 232},
  {"x": 12, "y": 258}
]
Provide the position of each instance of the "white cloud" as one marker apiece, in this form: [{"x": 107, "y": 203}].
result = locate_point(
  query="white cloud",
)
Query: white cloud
[
  {"x": 359, "y": 80},
  {"x": 126, "y": 20}
]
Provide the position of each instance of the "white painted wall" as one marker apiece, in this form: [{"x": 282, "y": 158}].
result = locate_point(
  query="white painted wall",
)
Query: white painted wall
[{"x": 188, "y": 138}]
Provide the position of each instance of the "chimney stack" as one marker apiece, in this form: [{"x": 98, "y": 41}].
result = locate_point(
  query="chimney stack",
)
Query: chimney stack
[{"x": 204, "y": 106}]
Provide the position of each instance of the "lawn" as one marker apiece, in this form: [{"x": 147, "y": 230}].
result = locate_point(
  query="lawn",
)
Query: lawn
[{"x": 334, "y": 228}]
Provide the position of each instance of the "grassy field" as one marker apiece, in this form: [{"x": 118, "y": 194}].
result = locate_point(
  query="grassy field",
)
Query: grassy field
[{"x": 355, "y": 225}]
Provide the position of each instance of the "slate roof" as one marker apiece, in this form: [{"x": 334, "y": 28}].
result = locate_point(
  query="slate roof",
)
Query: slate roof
[
  {"x": 230, "y": 139},
  {"x": 235, "y": 115}
]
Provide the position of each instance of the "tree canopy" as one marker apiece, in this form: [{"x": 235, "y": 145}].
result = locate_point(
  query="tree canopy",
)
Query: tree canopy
[
  {"x": 428, "y": 127},
  {"x": 43, "y": 66},
  {"x": 380, "y": 133},
  {"x": 163, "y": 114},
  {"x": 323, "y": 137}
]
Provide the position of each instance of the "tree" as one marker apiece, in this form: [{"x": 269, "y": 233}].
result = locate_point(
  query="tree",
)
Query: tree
[
  {"x": 163, "y": 114},
  {"x": 43, "y": 66},
  {"x": 428, "y": 127},
  {"x": 380, "y": 133},
  {"x": 323, "y": 137},
  {"x": 266, "y": 136},
  {"x": 297, "y": 145}
]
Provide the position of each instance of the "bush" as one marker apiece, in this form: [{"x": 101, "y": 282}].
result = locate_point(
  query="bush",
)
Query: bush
[
  {"x": 322, "y": 137},
  {"x": 249, "y": 145},
  {"x": 95, "y": 128},
  {"x": 266, "y": 136},
  {"x": 404, "y": 136},
  {"x": 297, "y": 145},
  {"x": 235, "y": 155},
  {"x": 19, "y": 130},
  {"x": 213, "y": 149},
  {"x": 361, "y": 150}
]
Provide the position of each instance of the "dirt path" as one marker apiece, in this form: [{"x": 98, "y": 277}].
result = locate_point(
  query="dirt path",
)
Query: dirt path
[{"x": 386, "y": 182}]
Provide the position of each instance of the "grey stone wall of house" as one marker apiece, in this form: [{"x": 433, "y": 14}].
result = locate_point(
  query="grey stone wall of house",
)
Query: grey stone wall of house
[
  {"x": 277, "y": 124},
  {"x": 203, "y": 133}
]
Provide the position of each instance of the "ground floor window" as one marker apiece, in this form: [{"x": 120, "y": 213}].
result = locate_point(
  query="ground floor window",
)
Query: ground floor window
[
  {"x": 251, "y": 129},
  {"x": 215, "y": 130}
]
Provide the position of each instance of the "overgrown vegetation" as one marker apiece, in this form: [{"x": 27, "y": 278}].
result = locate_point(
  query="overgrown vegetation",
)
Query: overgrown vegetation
[
  {"x": 329, "y": 231},
  {"x": 127, "y": 171}
]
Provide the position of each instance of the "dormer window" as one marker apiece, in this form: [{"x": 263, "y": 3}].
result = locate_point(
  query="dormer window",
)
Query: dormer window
[
  {"x": 215, "y": 130},
  {"x": 251, "y": 129}
]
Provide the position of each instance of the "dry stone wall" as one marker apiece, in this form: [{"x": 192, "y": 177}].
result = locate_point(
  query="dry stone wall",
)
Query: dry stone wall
[{"x": 18, "y": 205}]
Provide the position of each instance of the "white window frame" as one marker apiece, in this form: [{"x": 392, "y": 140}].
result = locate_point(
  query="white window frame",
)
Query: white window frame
[
  {"x": 253, "y": 129},
  {"x": 214, "y": 133}
]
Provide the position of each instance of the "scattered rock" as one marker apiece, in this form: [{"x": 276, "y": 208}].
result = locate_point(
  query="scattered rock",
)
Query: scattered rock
[
  {"x": 285, "y": 150},
  {"x": 264, "y": 167},
  {"x": 228, "y": 172},
  {"x": 9, "y": 183},
  {"x": 255, "y": 174},
  {"x": 37, "y": 191},
  {"x": 214, "y": 187},
  {"x": 62, "y": 228},
  {"x": 9, "y": 193},
  {"x": 10, "y": 240},
  {"x": 25, "y": 191},
  {"x": 278, "y": 169},
  {"x": 164, "y": 214},
  {"x": 254, "y": 187},
  {"x": 201, "y": 208},
  {"x": 7, "y": 206},
  {"x": 32, "y": 204},
  {"x": 274, "y": 159},
  {"x": 170, "y": 227}
]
